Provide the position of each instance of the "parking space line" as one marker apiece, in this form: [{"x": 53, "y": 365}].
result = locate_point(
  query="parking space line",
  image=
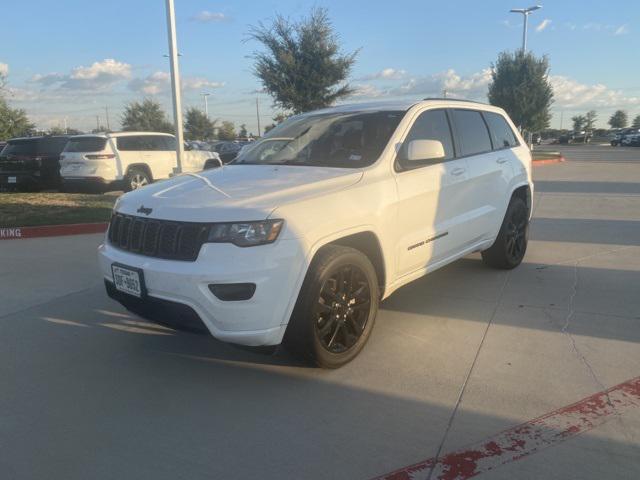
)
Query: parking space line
[{"x": 527, "y": 438}]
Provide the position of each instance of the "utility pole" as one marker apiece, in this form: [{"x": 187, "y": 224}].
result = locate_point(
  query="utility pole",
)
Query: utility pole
[
  {"x": 444, "y": 93},
  {"x": 98, "y": 122},
  {"x": 66, "y": 129},
  {"x": 258, "y": 115},
  {"x": 561, "y": 118},
  {"x": 106, "y": 111},
  {"x": 206, "y": 103},
  {"x": 525, "y": 13},
  {"x": 175, "y": 84}
]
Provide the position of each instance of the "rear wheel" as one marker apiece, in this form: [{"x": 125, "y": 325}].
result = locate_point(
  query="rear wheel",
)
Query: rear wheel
[
  {"x": 136, "y": 178},
  {"x": 510, "y": 246},
  {"x": 336, "y": 308}
]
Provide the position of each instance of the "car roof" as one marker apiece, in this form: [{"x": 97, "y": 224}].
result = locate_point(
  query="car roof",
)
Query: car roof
[
  {"x": 120, "y": 134},
  {"x": 37, "y": 137},
  {"x": 403, "y": 105}
]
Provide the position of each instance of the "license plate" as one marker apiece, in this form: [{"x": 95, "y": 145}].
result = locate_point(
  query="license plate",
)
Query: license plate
[
  {"x": 12, "y": 180},
  {"x": 128, "y": 280}
]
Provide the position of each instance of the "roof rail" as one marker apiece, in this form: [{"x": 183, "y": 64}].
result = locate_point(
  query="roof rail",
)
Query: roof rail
[{"x": 449, "y": 99}]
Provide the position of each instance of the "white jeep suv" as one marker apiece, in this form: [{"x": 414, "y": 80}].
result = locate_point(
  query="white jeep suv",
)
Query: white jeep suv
[
  {"x": 299, "y": 238},
  {"x": 127, "y": 160}
]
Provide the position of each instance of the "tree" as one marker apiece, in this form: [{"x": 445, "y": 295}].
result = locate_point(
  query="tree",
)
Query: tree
[
  {"x": 636, "y": 122},
  {"x": 197, "y": 125},
  {"x": 619, "y": 119},
  {"x": 145, "y": 116},
  {"x": 227, "y": 131},
  {"x": 14, "y": 122},
  {"x": 590, "y": 120},
  {"x": 520, "y": 84},
  {"x": 243, "y": 131},
  {"x": 579, "y": 122},
  {"x": 302, "y": 68}
]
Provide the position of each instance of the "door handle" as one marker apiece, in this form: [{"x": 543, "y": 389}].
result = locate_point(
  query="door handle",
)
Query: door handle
[
  {"x": 501, "y": 160},
  {"x": 458, "y": 171}
]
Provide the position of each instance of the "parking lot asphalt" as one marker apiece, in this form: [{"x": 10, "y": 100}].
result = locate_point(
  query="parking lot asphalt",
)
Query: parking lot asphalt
[{"x": 91, "y": 391}]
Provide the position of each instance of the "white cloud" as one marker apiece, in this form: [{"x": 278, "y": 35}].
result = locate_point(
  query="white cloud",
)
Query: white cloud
[
  {"x": 367, "y": 91},
  {"x": 160, "y": 82},
  {"x": 4, "y": 69},
  {"x": 544, "y": 24},
  {"x": 99, "y": 76},
  {"x": 621, "y": 30},
  {"x": 385, "y": 74},
  {"x": 209, "y": 17},
  {"x": 472, "y": 86},
  {"x": 569, "y": 93}
]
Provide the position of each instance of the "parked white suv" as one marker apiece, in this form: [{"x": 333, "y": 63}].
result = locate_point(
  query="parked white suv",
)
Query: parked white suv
[
  {"x": 127, "y": 160},
  {"x": 299, "y": 238}
]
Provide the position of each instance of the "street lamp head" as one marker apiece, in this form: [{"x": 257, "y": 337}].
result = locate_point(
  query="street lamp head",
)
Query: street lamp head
[{"x": 526, "y": 11}]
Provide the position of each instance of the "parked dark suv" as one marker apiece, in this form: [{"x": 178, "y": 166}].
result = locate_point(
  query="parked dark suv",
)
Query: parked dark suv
[{"x": 31, "y": 163}]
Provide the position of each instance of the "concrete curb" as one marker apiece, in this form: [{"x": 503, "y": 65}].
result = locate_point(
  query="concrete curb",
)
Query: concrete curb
[
  {"x": 547, "y": 161},
  {"x": 17, "y": 233}
]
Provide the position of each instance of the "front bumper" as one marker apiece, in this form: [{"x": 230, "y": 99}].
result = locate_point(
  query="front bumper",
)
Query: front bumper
[{"x": 276, "y": 269}]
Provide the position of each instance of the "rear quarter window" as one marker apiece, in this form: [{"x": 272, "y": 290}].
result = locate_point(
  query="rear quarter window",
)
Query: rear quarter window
[
  {"x": 501, "y": 133},
  {"x": 127, "y": 144}
]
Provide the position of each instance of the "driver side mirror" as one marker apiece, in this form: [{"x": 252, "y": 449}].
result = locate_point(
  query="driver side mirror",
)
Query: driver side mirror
[{"x": 424, "y": 150}]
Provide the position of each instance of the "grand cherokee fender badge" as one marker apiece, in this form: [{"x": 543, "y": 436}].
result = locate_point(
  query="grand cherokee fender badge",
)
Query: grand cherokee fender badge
[{"x": 146, "y": 211}]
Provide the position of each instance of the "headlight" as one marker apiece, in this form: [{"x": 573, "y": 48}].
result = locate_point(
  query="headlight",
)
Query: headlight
[{"x": 245, "y": 234}]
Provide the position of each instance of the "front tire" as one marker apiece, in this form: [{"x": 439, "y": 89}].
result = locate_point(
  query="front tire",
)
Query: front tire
[
  {"x": 510, "y": 246},
  {"x": 336, "y": 308}
]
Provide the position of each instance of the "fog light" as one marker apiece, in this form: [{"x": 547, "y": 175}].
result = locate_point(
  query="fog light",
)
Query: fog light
[{"x": 233, "y": 292}]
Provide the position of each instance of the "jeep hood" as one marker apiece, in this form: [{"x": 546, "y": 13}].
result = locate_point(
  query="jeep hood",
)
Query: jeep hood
[{"x": 234, "y": 192}]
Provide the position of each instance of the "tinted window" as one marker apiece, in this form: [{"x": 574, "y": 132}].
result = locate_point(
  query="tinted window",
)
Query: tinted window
[
  {"x": 129, "y": 143},
  {"x": 21, "y": 147},
  {"x": 52, "y": 146},
  {"x": 334, "y": 139},
  {"x": 157, "y": 143},
  {"x": 86, "y": 144},
  {"x": 430, "y": 125},
  {"x": 472, "y": 132},
  {"x": 501, "y": 132}
]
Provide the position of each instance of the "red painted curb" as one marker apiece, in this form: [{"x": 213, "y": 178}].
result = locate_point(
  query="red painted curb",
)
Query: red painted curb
[
  {"x": 547, "y": 161},
  {"x": 528, "y": 438},
  {"x": 17, "y": 233}
]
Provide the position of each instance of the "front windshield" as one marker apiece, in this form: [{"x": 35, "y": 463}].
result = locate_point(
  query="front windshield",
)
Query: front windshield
[{"x": 338, "y": 139}]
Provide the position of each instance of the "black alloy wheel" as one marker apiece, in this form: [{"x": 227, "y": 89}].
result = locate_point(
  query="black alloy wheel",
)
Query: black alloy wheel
[{"x": 343, "y": 307}]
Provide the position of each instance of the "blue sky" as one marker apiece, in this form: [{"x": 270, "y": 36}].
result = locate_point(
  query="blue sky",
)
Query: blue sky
[{"x": 72, "y": 58}]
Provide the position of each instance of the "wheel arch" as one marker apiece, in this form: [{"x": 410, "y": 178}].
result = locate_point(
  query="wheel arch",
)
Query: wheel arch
[
  {"x": 523, "y": 191},
  {"x": 365, "y": 241},
  {"x": 142, "y": 166}
]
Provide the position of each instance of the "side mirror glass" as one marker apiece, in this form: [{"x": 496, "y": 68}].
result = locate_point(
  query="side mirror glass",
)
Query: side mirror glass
[{"x": 424, "y": 150}]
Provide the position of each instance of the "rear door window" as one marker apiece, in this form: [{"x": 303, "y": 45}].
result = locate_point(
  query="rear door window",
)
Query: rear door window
[
  {"x": 129, "y": 143},
  {"x": 501, "y": 133},
  {"x": 86, "y": 144},
  {"x": 472, "y": 132}
]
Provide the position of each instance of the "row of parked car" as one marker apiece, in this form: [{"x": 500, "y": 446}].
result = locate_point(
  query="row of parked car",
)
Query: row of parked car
[
  {"x": 627, "y": 137},
  {"x": 101, "y": 162}
]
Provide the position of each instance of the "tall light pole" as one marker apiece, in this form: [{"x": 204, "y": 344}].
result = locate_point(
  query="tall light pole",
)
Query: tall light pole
[
  {"x": 525, "y": 13},
  {"x": 258, "y": 115},
  {"x": 206, "y": 103},
  {"x": 175, "y": 83}
]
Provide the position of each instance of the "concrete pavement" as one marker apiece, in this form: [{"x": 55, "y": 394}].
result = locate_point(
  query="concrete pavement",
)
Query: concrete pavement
[{"x": 91, "y": 391}]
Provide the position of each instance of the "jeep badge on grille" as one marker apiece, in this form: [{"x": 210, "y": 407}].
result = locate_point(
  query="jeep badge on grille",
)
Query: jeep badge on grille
[{"x": 146, "y": 211}]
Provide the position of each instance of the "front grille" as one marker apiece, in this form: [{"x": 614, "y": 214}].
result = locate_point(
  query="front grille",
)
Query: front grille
[{"x": 157, "y": 238}]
